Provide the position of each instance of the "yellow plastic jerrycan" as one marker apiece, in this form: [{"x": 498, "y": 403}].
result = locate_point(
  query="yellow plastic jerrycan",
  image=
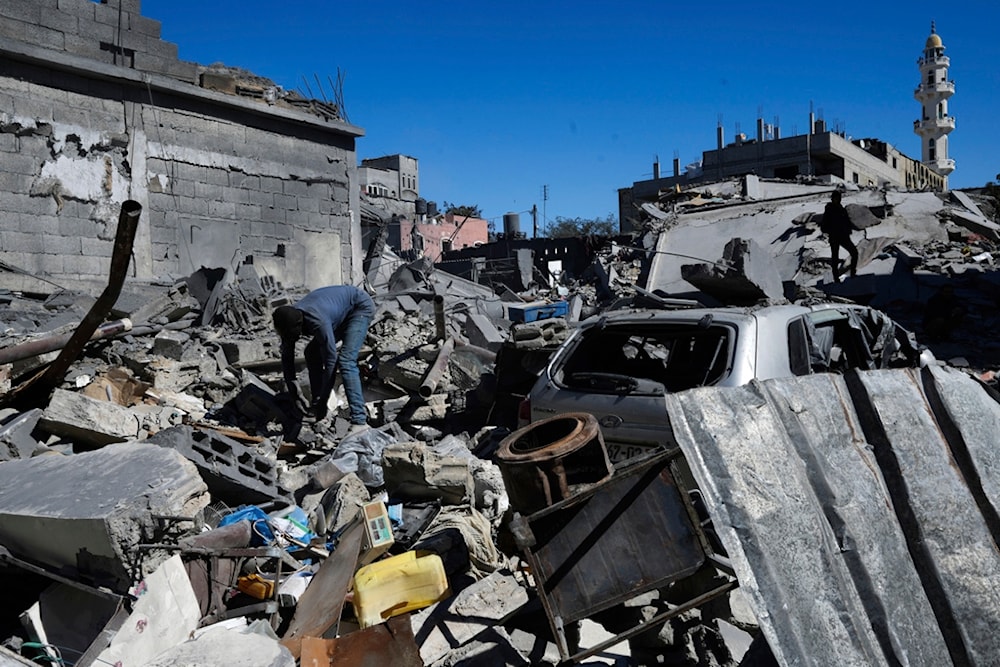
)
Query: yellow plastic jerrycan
[{"x": 397, "y": 585}]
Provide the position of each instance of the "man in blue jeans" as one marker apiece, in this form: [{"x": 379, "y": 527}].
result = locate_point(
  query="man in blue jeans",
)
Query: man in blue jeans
[{"x": 328, "y": 314}]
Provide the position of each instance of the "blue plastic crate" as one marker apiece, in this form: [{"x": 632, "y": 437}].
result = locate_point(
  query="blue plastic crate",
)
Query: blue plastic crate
[{"x": 537, "y": 310}]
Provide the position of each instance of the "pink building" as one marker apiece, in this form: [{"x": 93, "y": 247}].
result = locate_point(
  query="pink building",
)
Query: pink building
[{"x": 445, "y": 232}]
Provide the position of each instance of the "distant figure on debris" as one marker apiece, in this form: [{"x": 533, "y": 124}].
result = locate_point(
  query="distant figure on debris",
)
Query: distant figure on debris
[
  {"x": 836, "y": 224},
  {"x": 328, "y": 314},
  {"x": 942, "y": 313}
]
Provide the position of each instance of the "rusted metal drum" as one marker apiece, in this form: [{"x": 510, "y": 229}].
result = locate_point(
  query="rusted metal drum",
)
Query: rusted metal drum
[{"x": 547, "y": 461}]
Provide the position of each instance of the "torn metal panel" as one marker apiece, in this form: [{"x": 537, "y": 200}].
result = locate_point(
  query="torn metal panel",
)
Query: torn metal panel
[
  {"x": 856, "y": 538},
  {"x": 952, "y": 545},
  {"x": 972, "y": 424},
  {"x": 582, "y": 550}
]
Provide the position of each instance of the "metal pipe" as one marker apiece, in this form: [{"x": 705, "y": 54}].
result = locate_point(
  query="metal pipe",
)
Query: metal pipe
[
  {"x": 39, "y": 346},
  {"x": 439, "y": 317},
  {"x": 436, "y": 371}
]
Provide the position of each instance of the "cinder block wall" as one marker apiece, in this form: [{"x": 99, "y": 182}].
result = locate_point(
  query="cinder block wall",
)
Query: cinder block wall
[{"x": 95, "y": 109}]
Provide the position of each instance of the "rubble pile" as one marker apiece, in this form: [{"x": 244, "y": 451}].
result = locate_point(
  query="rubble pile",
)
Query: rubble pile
[
  {"x": 167, "y": 500},
  {"x": 169, "y": 483}
]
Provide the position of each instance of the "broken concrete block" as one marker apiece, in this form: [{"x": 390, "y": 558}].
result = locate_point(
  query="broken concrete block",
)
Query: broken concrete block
[
  {"x": 977, "y": 224},
  {"x": 81, "y": 418},
  {"x": 481, "y": 332},
  {"x": 861, "y": 216},
  {"x": 233, "y": 472},
  {"x": 239, "y": 351},
  {"x": 745, "y": 276},
  {"x": 171, "y": 344},
  {"x": 340, "y": 504},
  {"x": 16, "y": 441},
  {"x": 256, "y": 401},
  {"x": 435, "y": 409},
  {"x": 407, "y": 303},
  {"x": 416, "y": 472},
  {"x": 175, "y": 375},
  {"x": 404, "y": 370},
  {"x": 100, "y": 504},
  {"x": 386, "y": 411},
  {"x": 185, "y": 403}
]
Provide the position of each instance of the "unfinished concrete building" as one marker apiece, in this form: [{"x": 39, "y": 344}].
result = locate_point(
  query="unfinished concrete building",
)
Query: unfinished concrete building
[{"x": 95, "y": 109}]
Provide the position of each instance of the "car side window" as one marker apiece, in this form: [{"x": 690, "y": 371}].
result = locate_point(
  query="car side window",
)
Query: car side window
[{"x": 798, "y": 347}]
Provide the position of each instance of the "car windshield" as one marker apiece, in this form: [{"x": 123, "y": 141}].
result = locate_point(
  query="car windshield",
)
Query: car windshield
[{"x": 648, "y": 358}]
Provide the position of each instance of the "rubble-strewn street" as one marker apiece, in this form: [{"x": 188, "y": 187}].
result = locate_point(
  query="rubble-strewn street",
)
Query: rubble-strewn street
[{"x": 167, "y": 499}]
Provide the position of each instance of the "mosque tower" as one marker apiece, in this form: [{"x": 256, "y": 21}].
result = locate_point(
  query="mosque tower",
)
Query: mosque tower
[{"x": 933, "y": 93}]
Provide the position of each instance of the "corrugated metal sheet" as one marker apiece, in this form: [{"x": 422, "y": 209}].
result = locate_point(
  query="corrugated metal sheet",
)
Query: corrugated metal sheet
[{"x": 860, "y": 512}]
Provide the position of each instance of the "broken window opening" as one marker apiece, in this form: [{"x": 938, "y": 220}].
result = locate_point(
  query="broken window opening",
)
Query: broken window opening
[
  {"x": 672, "y": 358},
  {"x": 840, "y": 340}
]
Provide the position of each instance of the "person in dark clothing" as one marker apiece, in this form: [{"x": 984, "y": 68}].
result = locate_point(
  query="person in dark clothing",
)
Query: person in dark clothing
[
  {"x": 837, "y": 226},
  {"x": 328, "y": 314}
]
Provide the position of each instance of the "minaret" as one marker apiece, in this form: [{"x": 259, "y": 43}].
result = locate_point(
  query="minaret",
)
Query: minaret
[{"x": 933, "y": 93}]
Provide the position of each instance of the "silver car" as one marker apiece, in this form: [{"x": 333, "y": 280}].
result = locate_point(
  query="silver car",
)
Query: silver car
[{"x": 618, "y": 366}]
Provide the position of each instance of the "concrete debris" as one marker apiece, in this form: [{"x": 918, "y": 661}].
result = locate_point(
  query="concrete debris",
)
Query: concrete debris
[
  {"x": 254, "y": 520},
  {"x": 104, "y": 505}
]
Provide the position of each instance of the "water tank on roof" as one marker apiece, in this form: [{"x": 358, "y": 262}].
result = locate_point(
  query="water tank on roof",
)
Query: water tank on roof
[
  {"x": 421, "y": 206},
  {"x": 432, "y": 209},
  {"x": 511, "y": 224}
]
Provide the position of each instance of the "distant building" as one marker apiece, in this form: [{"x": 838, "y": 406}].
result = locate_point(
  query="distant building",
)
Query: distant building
[
  {"x": 390, "y": 190},
  {"x": 432, "y": 237},
  {"x": 392, "y": 176},
  {"x": 822, "y": 154}
]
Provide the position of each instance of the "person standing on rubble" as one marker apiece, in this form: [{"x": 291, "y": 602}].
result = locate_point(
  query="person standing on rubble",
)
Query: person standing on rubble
[
  {"x": 837, "y": 226},
  {"x": 328, "y": 314}
]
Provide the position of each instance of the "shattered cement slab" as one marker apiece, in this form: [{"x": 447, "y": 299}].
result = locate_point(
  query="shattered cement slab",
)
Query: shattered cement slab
[{"x": 101, "y": 504}]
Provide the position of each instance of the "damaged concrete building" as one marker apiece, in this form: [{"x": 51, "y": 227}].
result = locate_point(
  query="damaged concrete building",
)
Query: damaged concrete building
[{"x": 229, "y": 168}]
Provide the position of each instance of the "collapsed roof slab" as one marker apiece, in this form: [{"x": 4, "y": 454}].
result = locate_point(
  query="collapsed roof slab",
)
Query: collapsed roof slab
[
  {"x": 776, "y": 226},
  {"x": 855, "y": 534},
  {"x": 86, "y": 514},
  {"x": 702, "y": 235}
]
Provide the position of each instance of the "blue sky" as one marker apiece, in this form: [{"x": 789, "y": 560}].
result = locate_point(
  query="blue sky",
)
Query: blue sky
[{"x": 497, "y": 100}]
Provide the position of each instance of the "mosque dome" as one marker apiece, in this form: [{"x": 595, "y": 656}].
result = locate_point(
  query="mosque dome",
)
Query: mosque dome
[{"x": 933, "y": 42}]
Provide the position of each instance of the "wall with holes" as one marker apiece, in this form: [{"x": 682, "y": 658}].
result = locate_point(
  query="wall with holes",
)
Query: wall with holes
[{"x": 95, "y": 109}]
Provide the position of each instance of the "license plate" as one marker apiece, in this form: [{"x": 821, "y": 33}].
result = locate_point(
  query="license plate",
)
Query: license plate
[{"x": 619, "y": 453}]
